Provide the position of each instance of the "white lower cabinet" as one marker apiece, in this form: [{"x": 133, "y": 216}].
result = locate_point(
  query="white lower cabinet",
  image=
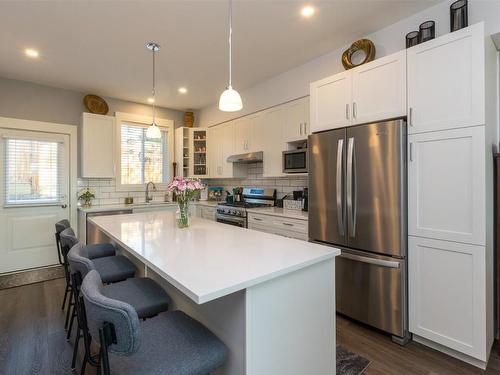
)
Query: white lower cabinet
[
  {"x": 282, "y": 226},
  {"x": 206, "y": 212},
  {"x": 448, "y": 296}
]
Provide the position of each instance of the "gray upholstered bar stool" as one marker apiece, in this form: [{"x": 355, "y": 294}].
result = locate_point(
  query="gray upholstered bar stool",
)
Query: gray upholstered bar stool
[
  {"x": 143, "y": 294},
  {"x": 94, "y": 251},
  {"x": 111, "y": 267},
  {"x": 171, "y": 343}
]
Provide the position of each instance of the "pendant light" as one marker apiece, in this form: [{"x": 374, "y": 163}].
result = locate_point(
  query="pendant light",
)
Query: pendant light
[
  {"x": 230, "y": 100},
  {"x": 153, "y": 130}
]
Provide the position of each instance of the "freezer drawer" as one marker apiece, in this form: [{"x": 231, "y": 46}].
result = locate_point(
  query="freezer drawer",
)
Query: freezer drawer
[{"x": 371, "y": 289}]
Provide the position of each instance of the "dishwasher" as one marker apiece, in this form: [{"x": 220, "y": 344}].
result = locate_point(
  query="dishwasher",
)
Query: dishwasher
[{"x": 94, "y": 235}]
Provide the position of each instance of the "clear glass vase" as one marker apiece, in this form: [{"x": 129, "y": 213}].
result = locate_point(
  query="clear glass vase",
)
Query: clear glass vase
[{"x": 182, "y": 213}]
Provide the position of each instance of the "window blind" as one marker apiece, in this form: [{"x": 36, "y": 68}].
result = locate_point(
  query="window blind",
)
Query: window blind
[
  {"x": 33, "y": 172},
  {"x": 142, "y": 159}
]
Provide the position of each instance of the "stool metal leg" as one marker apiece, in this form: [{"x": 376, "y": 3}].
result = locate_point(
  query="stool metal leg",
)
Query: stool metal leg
[{"x": 68, "y": 312}]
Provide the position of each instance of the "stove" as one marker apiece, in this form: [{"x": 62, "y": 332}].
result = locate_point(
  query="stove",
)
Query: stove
[{"x": 236, "y": 213}]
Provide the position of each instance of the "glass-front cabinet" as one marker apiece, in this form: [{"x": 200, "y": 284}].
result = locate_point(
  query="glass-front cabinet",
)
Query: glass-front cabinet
[{"x": 191, "y": 152}]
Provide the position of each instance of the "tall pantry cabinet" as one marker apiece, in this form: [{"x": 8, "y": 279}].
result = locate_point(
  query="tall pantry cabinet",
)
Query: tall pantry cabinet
[{"x": 452, "y": 126}]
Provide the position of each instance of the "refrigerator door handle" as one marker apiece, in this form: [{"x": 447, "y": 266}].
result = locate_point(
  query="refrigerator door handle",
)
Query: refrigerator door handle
[
  {"x": 340, "y": 211},
  {"x": 374, "y": 261},
  {"x": 350, "y": 195}
]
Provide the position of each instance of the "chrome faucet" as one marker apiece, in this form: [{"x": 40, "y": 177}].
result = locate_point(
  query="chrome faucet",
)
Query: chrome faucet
[{"x": 148, "y": 197}]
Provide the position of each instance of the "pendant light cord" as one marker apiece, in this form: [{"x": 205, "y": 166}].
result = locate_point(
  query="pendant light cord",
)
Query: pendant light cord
[
  {"x": 230, "y": 42},
  {"x": 154, "y": 89}
]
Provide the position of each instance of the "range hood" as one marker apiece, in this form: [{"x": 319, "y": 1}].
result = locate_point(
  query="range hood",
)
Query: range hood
[{"x": 250, "y": 157}]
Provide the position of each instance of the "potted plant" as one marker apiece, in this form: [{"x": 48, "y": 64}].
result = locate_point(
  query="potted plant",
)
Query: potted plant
[
  {"x": 185, "y": 189},
  {"x": 86, "y": 197}
]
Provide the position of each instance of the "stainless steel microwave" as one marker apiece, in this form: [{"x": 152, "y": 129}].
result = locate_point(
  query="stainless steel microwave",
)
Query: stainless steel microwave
[{"x": 295, "y": 161}]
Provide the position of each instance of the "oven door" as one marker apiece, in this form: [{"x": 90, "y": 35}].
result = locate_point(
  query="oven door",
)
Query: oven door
[
  {"x": 232, "y": 220},
  {"x": 295, "y": 161}
]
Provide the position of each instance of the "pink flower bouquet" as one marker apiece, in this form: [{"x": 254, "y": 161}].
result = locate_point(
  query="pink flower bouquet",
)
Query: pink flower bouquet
[{"x": 185, "y": 189}]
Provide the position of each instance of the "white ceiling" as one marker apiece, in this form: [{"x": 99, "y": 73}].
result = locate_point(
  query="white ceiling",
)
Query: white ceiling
[{"x": 99, "y": 46}]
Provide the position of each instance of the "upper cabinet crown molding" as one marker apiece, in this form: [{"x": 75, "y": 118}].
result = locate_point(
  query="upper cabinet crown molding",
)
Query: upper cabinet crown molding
[
  {"x": 371, "y": 92},
  {"x": 97, "y": 146},
  {"x": 446, "y": 81}
]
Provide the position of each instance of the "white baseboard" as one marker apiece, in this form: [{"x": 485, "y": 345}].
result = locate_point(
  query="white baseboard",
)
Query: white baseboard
[{"x": 452, "y": 353}]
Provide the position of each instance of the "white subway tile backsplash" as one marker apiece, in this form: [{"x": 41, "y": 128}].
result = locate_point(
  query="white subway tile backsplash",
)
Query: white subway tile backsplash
[{"x": 283, "y": 185}]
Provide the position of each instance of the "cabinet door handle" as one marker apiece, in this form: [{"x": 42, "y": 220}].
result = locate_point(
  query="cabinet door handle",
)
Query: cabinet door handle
[
  {"x": 411, "y": 151},
  {"x": 287, "y": 224},
  {"x": 257, "y": 219},
  {"x": 410, "y": 115},
  {"x": 347, "y": 111},
  {"x": 354, "y": 110},
  {"x": 300, "y": 128}
]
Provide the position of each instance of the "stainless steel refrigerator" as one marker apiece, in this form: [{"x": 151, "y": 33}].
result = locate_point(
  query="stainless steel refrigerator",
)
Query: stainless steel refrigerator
[{"x": 357, "y": 202}]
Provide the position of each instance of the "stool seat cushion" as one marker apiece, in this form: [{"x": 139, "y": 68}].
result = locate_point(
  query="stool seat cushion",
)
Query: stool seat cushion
[
  {"x": 172, "y": 343},
  {"x": 100, "y": 250},
  {"x": 113, "y": 269},
  {"x": 145, "y": 295}
]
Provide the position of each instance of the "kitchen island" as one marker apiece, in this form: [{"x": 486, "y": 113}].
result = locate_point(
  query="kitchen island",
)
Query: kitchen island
[{"x": 270, "y": 299}]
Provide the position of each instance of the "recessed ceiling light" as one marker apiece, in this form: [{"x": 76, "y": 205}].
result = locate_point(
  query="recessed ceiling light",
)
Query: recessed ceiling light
[
  {"x": 31, "y": 52},
  {"x": 151, "y": 100},
  {"x": 183, "y": 90},
  {"x": 307, "y": 11}
]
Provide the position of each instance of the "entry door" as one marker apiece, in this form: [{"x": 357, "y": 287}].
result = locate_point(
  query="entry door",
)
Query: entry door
[{"x": 33, "y": 197}]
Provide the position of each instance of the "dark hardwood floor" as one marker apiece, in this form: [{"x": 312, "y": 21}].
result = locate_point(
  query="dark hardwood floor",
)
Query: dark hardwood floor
[{"x": 32, "y": 340}]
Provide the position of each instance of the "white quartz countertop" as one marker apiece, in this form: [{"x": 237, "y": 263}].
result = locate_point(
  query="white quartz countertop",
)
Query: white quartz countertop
[
  {"x": 123, "y": 206},
  {"x": 206, "y": 203},
  {"x": 209, "y": 260},
  {"x": 281, "y": 212}
]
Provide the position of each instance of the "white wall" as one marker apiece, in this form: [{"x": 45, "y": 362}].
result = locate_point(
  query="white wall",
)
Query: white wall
[
  {"x": 31, "y": 101},
  {"x": 295, "y": 82}
]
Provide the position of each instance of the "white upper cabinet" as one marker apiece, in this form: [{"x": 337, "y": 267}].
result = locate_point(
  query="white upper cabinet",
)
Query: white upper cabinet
[
  {"x": 330, "y": 102},
  {"x": 97, "y": 146},
  {"x": 297, "y": 124},
  {"x": 258, "y": 133},
  {"x": 371, "y": 92},
  {"x": 446, "y": 81},
  {"x": 379, "y": 89},
  {"x": 220, "y": 146},
  {"x": 272, "y": 125},
  {"x": 446, "y": 185},
  {"x": 242, "y": 135}
]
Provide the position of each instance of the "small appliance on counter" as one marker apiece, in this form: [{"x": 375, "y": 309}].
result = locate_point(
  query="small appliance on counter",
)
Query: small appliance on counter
[
  {"x": 305, "y": 200},
  {"x": 215, "y": 193}
]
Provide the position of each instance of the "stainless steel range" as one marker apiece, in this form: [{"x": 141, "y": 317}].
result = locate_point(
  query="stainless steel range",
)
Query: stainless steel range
[{"x": 236, "y": 213}]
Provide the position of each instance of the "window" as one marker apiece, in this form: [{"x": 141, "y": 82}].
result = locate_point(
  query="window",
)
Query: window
[
  {"x": 143, "y": 159},
  {"x": 32, "y": 171}
]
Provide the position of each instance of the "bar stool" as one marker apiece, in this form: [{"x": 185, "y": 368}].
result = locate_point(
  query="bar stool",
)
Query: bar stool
[
  {"x": 171, "y": 343},
  {"x": 143, "y": 294},
  {"x": 111, "y": 268},
  {"x": 60, "y": 226}
]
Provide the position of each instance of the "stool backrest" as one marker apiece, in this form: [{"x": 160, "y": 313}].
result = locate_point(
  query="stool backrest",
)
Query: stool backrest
[
  {"x": 68, "y": 240},
  {"x": 78, "y": 259},
  {"x": 62, "y": 225},
  {"x": 101, "y": 309}
]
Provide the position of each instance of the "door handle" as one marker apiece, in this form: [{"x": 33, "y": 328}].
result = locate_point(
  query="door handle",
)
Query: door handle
[
  {"x": 411, "y": 151},
  {"x": 64, "y": 206},
  {"x": 354, "y": 110},
  {"x": 340, "y": 211},
  {"x": 300, "y": 128},
  {"x": 374, "y": 261},
  {"x": 410, "y": 115},
  {"x": 351, "y": 187},
  {"x": 347, "y": 111}
]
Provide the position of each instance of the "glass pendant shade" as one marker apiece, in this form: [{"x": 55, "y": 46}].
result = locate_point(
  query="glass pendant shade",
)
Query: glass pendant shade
[
  {"x": 153, "y": 132},
  {"x": 230, "y": 100}
]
